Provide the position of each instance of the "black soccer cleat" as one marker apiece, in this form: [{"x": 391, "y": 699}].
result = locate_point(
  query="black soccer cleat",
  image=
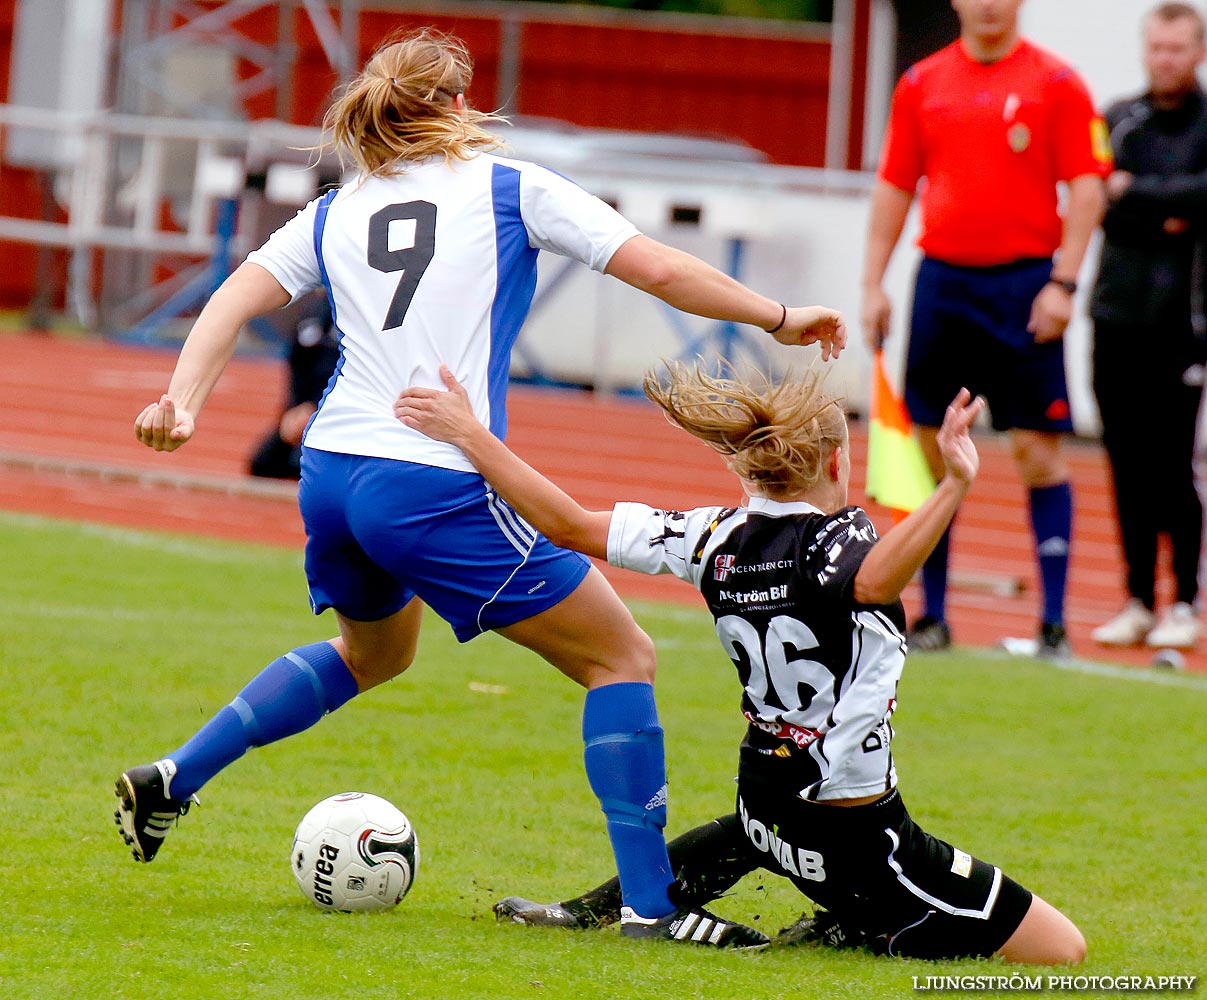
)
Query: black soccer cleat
[
  {"x": 145, "y": 814},
  {"x": 524, "y": 911},
  {"x": 1053, "y": 642},
  {"x": 822, "y": 928},
  {"x": 695, "y": 926},
  {"x": 929, "y": 635}
]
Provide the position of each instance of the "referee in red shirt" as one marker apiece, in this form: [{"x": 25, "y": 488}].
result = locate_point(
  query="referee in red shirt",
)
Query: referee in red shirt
[{"x": 993, "y": 123}]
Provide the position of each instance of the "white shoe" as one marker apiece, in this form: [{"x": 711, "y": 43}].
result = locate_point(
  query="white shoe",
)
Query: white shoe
[
  {"x": 1128, "y": 628},
  {"x": 1178, "y": 628}
]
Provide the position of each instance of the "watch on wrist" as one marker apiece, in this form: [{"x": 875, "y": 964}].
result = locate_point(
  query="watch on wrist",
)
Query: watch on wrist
[{"x": 1068, "y": 286}]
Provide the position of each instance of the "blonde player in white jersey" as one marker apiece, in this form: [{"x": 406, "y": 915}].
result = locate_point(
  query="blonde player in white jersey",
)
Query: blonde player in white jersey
[
  {"x": 429, "y": 257},
  {"x": 806, "y": 600}
]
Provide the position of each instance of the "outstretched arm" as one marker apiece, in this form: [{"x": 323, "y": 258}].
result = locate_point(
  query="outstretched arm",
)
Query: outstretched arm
[
  {"x": 448, "y": 416},
  {"x": 687, "y": 283},
  {"x": 892, "y": 562},
  {"x": 169, "y": 422}
]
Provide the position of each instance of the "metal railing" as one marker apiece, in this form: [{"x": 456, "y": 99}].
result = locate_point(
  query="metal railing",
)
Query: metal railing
[{"x": 122, "y": 168}]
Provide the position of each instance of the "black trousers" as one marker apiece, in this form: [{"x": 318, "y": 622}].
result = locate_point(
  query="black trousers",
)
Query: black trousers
[
  {"x": 1149, "y": 422},
  {"x": 276, "y": 459}
]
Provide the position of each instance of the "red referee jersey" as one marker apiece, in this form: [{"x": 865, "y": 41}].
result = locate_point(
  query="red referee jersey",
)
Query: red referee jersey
[{"x": 992, "y": 141}]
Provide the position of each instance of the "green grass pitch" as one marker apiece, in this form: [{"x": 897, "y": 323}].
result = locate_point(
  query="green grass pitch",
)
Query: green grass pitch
[{"x": 1086, "y": 785}]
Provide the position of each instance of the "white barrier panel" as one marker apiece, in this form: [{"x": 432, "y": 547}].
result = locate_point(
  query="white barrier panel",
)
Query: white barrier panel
[{"x": 795, "y": 234}]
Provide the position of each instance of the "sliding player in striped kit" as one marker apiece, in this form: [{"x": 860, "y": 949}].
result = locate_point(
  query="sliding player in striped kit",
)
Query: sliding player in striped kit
[
  {"x": 806, "y": 600},
  {"x": 429, "y": 256}
]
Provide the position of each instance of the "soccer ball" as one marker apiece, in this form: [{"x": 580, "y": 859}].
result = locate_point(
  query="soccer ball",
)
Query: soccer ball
[{"x": 355, "y": 851}]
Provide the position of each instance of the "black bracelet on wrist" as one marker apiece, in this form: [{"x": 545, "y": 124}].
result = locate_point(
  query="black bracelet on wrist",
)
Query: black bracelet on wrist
[{"x": 783, "y": 319}]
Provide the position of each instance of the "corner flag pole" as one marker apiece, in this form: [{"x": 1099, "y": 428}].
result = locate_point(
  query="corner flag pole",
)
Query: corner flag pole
[{"x": 897, "y": 474}]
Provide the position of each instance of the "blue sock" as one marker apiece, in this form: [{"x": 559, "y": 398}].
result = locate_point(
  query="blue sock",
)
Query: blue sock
[
  {"x": 289, "y": 695},
  {"x": 1052, "y": 523},
  {"x": 626, "y": 766},
  {"x": 934, "y": 580}
]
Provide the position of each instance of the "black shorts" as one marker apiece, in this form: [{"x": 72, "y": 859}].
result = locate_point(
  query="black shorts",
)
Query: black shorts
[
  {"x": 969, "y": 329},
  {"x": 912, "y": 894}
]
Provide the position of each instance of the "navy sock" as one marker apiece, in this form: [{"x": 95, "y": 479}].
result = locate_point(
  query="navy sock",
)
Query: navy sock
[
  {"x": 1052, "y": 523},
  {"x": 626, "y": 767},
  {"x": 934, "y": 580},
  {"x": 289, "y": 695}
]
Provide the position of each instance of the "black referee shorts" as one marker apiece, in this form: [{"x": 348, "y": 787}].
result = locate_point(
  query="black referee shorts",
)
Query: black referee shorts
[
  {"x": 912, "y": 894},
  {"x": 969, "y": 328}
]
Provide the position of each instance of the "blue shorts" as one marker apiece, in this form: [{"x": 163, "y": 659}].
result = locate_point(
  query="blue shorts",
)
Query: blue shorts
[
  {"x": 380, "y": 531},
  {"x": 969, "y": 328}
]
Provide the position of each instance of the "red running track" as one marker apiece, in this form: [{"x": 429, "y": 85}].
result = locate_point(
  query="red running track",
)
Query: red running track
[{"x": 67, "y": 450}]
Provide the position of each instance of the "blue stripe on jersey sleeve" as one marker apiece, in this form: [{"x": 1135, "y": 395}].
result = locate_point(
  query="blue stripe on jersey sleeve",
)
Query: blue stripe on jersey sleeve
[
  {"x": 515, "y": 270},
  {"x": 320, "y": 224}
]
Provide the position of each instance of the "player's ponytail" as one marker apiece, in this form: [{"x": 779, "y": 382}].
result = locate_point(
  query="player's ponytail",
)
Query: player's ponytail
[
  {"x": 777, "y": 437},
  {"x": 400, "y": 108}
]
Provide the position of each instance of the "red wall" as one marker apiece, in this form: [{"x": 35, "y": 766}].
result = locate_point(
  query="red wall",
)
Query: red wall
[
  {"x": 769, "y": 92},
  {"x": 766, "y": 89}
]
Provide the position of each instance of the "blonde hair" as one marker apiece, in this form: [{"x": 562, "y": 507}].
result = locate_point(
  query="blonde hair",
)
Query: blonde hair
[
  {"x": 399, "y": 109},
  {"x": 777, "y": 437}
]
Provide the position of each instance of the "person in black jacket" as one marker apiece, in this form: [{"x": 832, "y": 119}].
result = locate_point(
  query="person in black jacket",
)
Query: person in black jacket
[
  {"x": 312, "y": 357},
  {"x": 1150, "y": 333}
]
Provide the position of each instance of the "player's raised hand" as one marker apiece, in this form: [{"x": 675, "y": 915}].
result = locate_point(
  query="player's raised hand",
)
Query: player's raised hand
[
  {"x": 163, "y": 426},
  {"x": 804, "y": 325},
  {"x": 443, "y": 414},
  {"x": 960, "y": 458}
]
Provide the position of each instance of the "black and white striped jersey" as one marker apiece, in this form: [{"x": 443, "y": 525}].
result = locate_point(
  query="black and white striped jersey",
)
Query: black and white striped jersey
[{"x": 819, "y": 671}]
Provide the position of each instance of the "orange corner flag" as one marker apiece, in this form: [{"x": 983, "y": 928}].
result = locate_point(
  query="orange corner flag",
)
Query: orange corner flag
[{"x": 898, "y": 476}]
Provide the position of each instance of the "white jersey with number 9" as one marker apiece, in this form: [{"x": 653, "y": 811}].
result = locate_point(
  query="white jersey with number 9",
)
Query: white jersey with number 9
[{"x": 433, "y": 266}]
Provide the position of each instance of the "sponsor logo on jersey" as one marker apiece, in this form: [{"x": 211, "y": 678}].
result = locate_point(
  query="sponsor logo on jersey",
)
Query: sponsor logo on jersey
[
  {"x": 961, "y": 863},
  {"x": 794, "y": 860},
  {"x": 877, "y": 739},
  {"x": 722, "y": 567},
  {"x": 760, "y": 567},
  {"x": 707, "y": 533},
  {"x": 754, "y": 596},
  {"x": 786, "y": 731}
]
